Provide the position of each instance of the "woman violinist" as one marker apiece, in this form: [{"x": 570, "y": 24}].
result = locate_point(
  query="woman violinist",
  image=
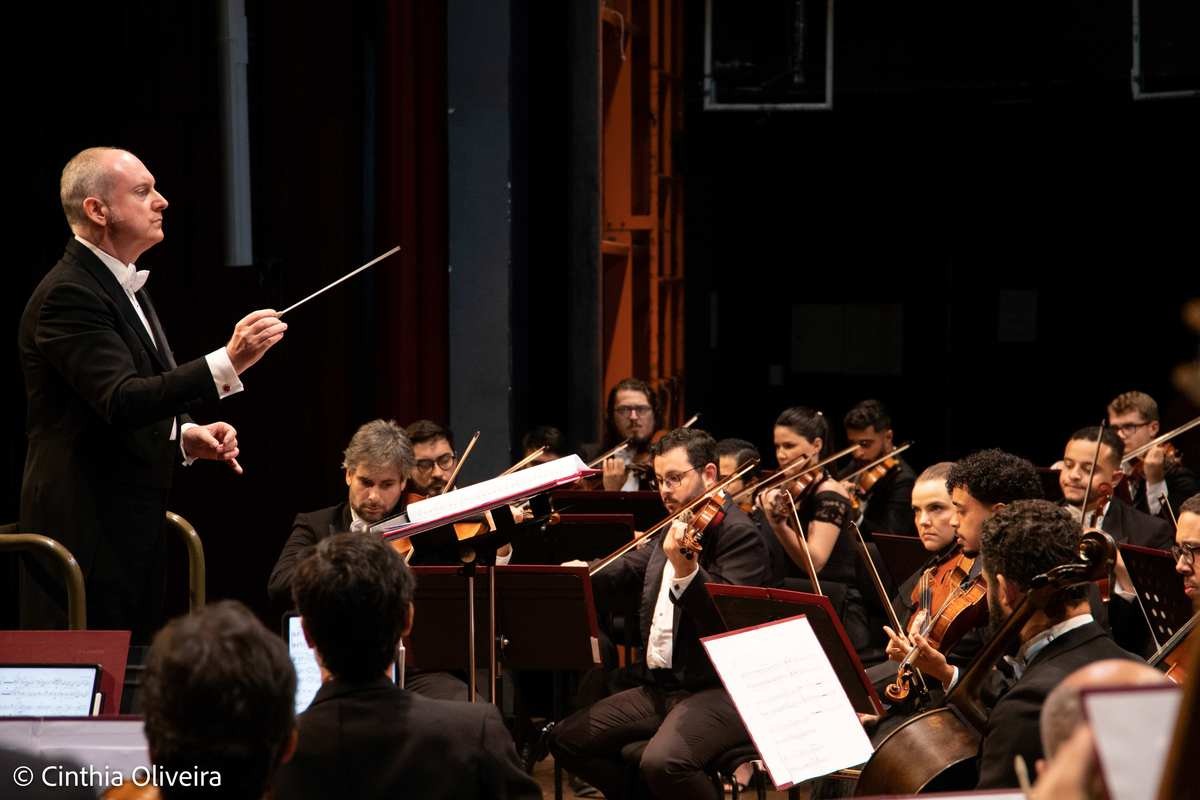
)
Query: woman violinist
[{"x": 822, "y": 507}]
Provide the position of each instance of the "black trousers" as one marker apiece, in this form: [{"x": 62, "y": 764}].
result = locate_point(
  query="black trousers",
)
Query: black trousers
[{"x": 687, "y": 731}]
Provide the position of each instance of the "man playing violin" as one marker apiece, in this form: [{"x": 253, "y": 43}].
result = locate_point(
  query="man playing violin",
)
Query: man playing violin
[
  {"x": 884, "y": 506},
  {"x": 682, "y": 709},
  {"x": 631, "y": 414},
  {"x": 732, "y": 455},
  {"x": 979, "y": 485},
  {"x": 433, "y": 457},
  {"x": 1134, "y": 416}
]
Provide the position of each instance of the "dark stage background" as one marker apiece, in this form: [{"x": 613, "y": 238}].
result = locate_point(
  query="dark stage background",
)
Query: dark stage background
[{"x": 986, "y": 232}]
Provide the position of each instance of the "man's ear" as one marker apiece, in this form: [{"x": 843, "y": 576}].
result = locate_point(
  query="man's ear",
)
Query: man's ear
[
  {"x": 95, "y": 210},
  {"x": 349, "y": 477},
  {"x": 408, "y": 626},
  {"x": 996, "y": 507},
  {"x": 710, "y": 473},
  {"x": 1010, "y": 594}
]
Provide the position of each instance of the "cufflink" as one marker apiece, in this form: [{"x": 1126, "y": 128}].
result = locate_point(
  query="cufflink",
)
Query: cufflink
[{"x": 225, "y": 388}]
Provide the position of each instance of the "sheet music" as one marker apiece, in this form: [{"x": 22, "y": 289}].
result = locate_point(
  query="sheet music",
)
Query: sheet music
[
  {"x": 304, "y": 659},
  {"x": 47, "y": 691},
  {"x": 1132, "y": 730},
  {"x": 492, "y": 493},
  {"x": 790, "y": 699}
]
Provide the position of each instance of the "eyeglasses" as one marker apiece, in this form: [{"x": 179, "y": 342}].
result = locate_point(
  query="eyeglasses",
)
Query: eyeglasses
[
  {"x": 1128, "y": 427},
  {"x": 672, "y": 479},
  {"x": 628, "y": 411},
  {"x": 445, "y": 461},
  {"x": 1185, "y": 552}
]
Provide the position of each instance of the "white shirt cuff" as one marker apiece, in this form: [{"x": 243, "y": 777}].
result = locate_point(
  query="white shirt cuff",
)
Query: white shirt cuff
[
  {"x": 224, "y": 375},
  {"x": 502, "y": 561},
  {"x": 679, "y": 585},
  {"x": 953, "y": 680},
  {"x": 187, "y": 460},
  {"x": 1154, "y": 493},
  {"x": 1123, "y": 593}
]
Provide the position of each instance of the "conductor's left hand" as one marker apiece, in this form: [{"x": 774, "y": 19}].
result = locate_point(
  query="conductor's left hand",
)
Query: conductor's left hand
[{"x": 216, "y": 441}]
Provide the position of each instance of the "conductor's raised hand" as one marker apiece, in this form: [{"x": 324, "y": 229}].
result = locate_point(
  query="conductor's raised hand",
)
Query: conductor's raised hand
[
  {"x": 256, "y": 333},
  {"x": 216, "y": 441}
]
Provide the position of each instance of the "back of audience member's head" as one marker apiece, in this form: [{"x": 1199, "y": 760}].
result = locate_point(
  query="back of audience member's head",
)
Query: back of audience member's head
[
  {"x": 354, "y": 594},
  {"x": 1063, "y": 709},
  {"x": 994, "y": 476},
  {"x": 219, "y": 698}
]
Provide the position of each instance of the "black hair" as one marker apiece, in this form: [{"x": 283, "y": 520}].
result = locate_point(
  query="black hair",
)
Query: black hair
[
  {"x": 1028, "y": 538},
  {"x": 994, "y": 476},
  {"x": 700, "y": 445},
  {"x": 426, "y": 430},
  {"x": 868, "y": 414},
  {"x": 809, "y": 423}
]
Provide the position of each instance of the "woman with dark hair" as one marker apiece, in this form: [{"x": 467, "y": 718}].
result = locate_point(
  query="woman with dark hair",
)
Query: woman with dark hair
[{"x": 824, "y": 512}]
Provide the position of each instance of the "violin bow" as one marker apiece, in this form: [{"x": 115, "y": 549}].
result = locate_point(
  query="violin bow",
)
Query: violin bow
[
  {"x": 878, "y": 461},
  {"x": 458, "y": 467}
]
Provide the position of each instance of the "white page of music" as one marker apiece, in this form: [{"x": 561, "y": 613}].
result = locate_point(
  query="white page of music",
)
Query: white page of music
[
  {"x": 1132, "y": 730},
  {"x": 790, "y": 699}
]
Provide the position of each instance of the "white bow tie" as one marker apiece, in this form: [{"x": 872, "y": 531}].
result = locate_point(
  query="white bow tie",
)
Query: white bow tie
[{"x": 133, "y": 280}]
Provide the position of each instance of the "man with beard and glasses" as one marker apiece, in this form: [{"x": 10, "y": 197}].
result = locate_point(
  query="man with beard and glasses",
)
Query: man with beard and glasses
[
  {"x": 980, "y": 485},
  {"x": 631, "y": 414},
  {"x": 107, "y": 418},
  {"x": 683, "y": 711},
  {"x": 1020, "y": 542},
  {"x": 434, "y": 457}
]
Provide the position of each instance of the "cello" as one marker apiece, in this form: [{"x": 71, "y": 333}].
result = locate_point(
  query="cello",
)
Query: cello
[{"x": 938, "y": 749}]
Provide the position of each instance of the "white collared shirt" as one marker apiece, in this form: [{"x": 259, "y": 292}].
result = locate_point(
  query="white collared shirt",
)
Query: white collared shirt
[
  {"x": 224, "y": 376},
  {"x": 660, "y": 647}
]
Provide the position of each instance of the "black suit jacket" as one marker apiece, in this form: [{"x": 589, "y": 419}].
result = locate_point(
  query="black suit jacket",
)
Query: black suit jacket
[
  {"x": 1130, "y": 526},
  {"x": 1012, "y": 726},
  {"x": 889, "y": 503},
  {"x": 733, "y": 553},
  {"x": 1181, "y": 484},
  {"x": 376, "y": 740},
  {"x": 101, "y": 401}
]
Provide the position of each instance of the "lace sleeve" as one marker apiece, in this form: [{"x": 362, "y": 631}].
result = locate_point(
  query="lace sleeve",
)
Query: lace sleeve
[{"x": 831, "y": 507}]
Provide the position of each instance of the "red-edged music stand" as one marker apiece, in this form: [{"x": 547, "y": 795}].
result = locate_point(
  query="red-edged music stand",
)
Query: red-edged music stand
[
  {"x": 646, "y": 507},
  {"x": 1159, "y": 588},
  {"x": 574, "y": 536},
  {"x": 748, "y": 606},
  {"x": 109, "y": 649}
]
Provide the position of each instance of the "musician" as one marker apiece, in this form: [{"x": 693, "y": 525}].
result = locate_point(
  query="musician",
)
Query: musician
[
  {"x": 682, "y": 710},
  {"x": 364, "y": 736},
  {"x": 1021, "y": 541},
  {"x": 1187, "y": 542},
  {"x": 631, "y": 413},
  {"x": 375, "y": 463},
  {"x": 544, "y": 436},
  {"x": 825, "y": 514},
  {"x": 219, "y": 693},
  {"x": 885, "y": 506},
  {"x": 980, "y": 485},
  {"x": 1134, "y": 416},
  {"x": 732, "y": 455},
  {"x": 1110, "y": 514},
  {"x": 434, "y": 457}
]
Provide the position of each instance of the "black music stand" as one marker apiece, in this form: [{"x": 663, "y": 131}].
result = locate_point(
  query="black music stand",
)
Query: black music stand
[
  {"x": 574, "y": 536},
  {"x": 1159, "y": 589},
  {"x": 747, "y": 606},
  {"x": 646, "y": 507},
  {"x": 902, "y": 555}
]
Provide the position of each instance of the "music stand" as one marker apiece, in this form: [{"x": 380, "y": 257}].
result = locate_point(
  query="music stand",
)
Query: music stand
[
  {"x": 109, "y": 649},
  {"x": 902, "y": 555},
  {"x": 646, "y": 507},
  {"x": 1159, "y": 590},
  {"x": 575, "y": 536},
  {"x": 529, "y": 600},
  {"x": 747, "y": 606}
]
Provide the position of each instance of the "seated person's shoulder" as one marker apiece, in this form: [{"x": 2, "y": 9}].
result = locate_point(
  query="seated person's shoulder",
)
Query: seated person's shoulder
[{"x": 834, "y": 486}]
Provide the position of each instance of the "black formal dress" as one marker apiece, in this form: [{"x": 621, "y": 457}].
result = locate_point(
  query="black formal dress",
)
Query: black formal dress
[
  {"x": 102, "y": 399},
  {"x": 376, "y": 740},
  {"x": 683, "y": 711}
]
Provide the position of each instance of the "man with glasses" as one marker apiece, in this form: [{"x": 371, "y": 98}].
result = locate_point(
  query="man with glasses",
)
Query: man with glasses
[
  {"x": 631, "y": 414},
  {"x": 1187, "y": 542},
  {"x": 434, "y": 457},
  {"x": 682, "y": 709},
  {"x": 1134, "y": 416}
]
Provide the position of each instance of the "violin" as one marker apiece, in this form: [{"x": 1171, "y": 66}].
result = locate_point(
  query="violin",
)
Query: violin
[
  {"x": 1133, "y": 467},
  {"x": 863, "y": 480},
  {"x": 698, "y": 520},
  {"x": 1175, "y": 652},
  {"x": 951, "y": 599}
]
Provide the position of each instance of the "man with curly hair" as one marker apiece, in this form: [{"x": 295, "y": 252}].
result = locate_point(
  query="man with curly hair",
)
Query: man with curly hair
[{"x": 1020, "y": 542}]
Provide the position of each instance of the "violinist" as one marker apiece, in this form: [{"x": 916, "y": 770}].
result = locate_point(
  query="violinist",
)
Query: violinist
[
  {"x": 376, "y": 463},
  {"x": 682, "y": 707},
  {"x": 822, "y": 508},
  {"x": 548, "y": 438},
  {"x": 1021, "y": 541},
  {"x": 732, "y": 455},
  {"x": 433, "y": 449},
  {"x": 980, "y": 485},
  {"x": 883, "y": 493},
  {"x": 632, "y": 414},
  {"x": 1134, "y": 416}
]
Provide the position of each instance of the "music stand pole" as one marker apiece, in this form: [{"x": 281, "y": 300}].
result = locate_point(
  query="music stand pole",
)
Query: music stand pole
[
  {"x": 493, "y": 668},
  {"x": 469, "y": 571}
]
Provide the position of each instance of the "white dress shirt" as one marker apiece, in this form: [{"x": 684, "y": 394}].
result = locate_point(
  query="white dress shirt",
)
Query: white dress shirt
[{"x": 661, "y": 645}]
